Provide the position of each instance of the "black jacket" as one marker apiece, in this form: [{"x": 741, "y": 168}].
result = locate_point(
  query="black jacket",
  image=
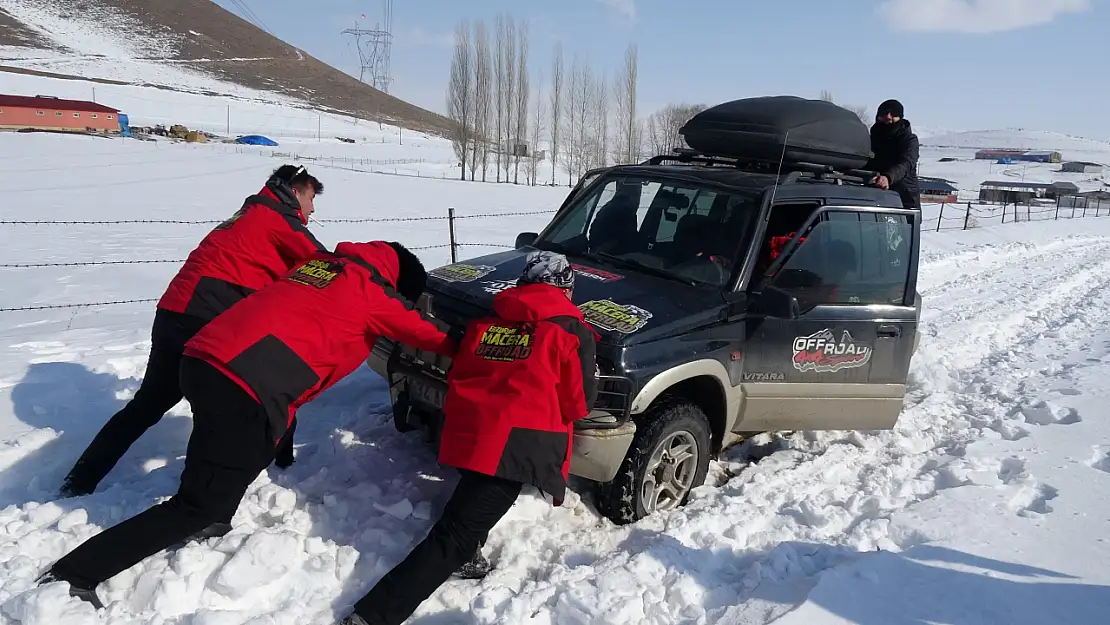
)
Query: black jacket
[{"x": 896, "y": 153}]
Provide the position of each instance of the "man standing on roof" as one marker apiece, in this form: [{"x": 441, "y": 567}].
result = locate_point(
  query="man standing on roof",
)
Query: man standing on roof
[
  {"x": 519, "y": 381},
  {"x": 262, "y": 241},
  {"x": 895, "y": 149},
  {"x": 246, "y": 374}
]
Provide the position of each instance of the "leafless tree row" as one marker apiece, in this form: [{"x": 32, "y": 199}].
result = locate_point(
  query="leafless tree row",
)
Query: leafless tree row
[{"x": 577, "y": 120}]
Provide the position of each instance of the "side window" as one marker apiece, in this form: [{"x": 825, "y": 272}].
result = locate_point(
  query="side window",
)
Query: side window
[{"x": 850, "y": 258}]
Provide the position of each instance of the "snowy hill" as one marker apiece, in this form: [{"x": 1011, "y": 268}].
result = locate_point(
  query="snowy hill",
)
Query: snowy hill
[
  {"x": 1017, "y": 139},
  {"x": 192, "y": 46}
]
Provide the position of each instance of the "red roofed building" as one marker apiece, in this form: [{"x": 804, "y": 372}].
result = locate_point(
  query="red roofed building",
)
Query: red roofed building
[{"x": 47, "y": 113}]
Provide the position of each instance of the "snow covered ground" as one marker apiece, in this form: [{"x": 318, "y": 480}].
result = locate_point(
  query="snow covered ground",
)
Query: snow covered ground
[{"x": 984, "y": 505}]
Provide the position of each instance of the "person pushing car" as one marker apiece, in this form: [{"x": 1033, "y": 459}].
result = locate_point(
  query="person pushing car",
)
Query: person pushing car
[
  {"x": 519, "y": 381},
  {"x": 246, "y": 373},
  {"x": 257, "y": 245}
]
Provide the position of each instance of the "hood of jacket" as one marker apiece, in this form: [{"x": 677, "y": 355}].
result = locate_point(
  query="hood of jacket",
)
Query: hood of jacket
[
  {"x": 534, "y": 302},
  {"x": 290, "y": 202},
  {"x": 377, "y": 254}
]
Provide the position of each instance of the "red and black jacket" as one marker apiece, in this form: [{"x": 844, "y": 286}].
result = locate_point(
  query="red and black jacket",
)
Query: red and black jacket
[
  {"x": 297, "y": 337},
  {"x": 257, "y": 245},
  {"x": 516, "y": 386}
]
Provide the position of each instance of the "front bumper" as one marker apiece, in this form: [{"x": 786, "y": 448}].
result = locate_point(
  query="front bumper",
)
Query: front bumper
[{"x": 417, "y": 388}]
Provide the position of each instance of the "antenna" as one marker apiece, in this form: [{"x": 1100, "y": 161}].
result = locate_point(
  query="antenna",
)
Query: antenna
[
  {"x": 778, "y": 172},
  {"x": 374, "y": 47}
]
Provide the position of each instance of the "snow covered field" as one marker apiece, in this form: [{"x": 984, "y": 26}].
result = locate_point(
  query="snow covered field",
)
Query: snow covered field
[{"x": 985, "y": 504}]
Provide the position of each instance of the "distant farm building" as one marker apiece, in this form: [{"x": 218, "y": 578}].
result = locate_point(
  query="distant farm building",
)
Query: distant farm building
[
  {"x": 937, "y": 190},
  {"x": 1082, "y": 167},
  {"x": 1005, "y": 192},
  {"x": 1091, "y": 200},
  {"x": 1019, "y": 156},
  {"x": 48, "y": 113}
]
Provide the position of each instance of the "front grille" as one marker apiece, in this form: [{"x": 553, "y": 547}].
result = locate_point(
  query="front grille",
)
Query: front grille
[{"x": 614, "y": 395}]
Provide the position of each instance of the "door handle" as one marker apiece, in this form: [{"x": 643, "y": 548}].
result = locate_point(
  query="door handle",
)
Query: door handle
[{"x": 889, "y": 332}]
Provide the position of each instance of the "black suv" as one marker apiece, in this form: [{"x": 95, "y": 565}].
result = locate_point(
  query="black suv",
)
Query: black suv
[{"x": 731, "y": 300}]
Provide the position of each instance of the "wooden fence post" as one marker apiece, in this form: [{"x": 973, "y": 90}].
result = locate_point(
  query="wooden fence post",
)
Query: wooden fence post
[
  {"x": 451, "y": 229},
  {"x": 941, "y": 218}
]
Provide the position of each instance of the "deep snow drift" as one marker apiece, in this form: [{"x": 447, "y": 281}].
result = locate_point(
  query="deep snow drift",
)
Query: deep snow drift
[{"x": 986, "y": 504}]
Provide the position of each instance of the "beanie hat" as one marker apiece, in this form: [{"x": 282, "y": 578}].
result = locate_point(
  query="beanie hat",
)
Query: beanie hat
[
  {"x": 544, "y": 267},
  {"x": 894, "y": 107}
]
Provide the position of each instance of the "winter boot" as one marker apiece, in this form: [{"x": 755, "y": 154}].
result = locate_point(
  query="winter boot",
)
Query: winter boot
[
  {"x": 83, "y": 593},
  {"x": 214, "y": 530},
  {"x": 71, "y": 487},
  {"x": 477, "y": 568},
  {"x": 284, "y": 457}
]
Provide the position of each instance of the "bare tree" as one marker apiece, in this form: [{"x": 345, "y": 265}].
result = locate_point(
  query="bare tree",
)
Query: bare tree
[
  {"x": 570, "y": 102},
  {"x": 535, "y": 133},
  {"x": 506, "y": 142},
  {"x": 460, "y": 96},
  {"x": 582, "y": 81},
  {"x": 859, "y": 111},
  {"x": 523, "y": 90},
  {"x": 499, "y": 72},
  {"x": 629, "y": 131},
  {"x": 664, "y": 124},
  {"x": 599, "y": 114},
  {"x": 483, "y": 98},
  {"x": 556, "y": 105}
]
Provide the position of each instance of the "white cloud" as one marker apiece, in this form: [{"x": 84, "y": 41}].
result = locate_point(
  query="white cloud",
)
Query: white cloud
[
  {"x": 975, "y": 16},
  {"x": 625, "y": 9}
]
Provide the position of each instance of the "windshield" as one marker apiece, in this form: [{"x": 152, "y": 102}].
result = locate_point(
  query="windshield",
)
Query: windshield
[{"x": 680, "y": 229}]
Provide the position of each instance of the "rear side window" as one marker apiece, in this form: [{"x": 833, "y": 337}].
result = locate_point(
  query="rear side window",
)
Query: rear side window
[{"x": 850, "y": 258}]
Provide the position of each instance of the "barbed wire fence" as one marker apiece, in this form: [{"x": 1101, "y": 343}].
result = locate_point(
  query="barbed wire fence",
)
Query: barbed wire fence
[
  {"x": 951, "y": 216},
  {"x": 450, "y": 219},
  {"x": 967, "y": 215}
]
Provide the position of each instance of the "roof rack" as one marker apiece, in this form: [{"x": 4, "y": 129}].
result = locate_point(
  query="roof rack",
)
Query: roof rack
[{"x": 794, "y": 171}]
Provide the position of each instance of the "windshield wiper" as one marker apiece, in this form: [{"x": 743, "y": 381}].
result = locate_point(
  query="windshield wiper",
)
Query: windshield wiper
[{"x": 655, "y": 271}]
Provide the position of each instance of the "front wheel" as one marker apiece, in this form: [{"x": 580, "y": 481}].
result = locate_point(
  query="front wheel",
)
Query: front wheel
[{"x": 668, "y": 458}]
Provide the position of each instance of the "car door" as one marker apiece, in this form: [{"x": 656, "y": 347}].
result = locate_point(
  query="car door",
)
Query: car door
[{"x": 840, "y": 362}]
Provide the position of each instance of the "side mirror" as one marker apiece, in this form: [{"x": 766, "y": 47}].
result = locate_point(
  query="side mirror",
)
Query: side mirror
[
  {"x": 524, "y": 239},
  {"x": 775, "y": 302}
]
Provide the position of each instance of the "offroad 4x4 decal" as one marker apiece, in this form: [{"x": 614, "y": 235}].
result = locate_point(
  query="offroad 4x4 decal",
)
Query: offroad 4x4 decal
[
  {"x": 493, "y": 287},
  {"x": 461, "y": 273},
  {"x": 820, "y": 352},
  {"x": 608, "y": 315},
  {"x": 505, "y": 343},
  {"x": 596, "y": 274},
  {"x": 317, "y": 273}
]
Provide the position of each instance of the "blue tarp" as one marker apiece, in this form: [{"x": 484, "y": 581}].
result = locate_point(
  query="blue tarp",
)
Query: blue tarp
[
  {"x": 1005, "y": 161},
  {"x": 256, "y": 140},
  {"x": 124, "y": 125}
]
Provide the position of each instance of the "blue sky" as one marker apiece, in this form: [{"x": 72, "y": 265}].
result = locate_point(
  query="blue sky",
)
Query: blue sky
[{"x": 955, "y": 64}]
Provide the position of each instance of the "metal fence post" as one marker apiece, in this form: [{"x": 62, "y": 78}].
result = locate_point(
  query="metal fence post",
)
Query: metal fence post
[
  {"x": 1057, "y": 209},
  {"x": 967, "y": 215},
  {"x": 1003, "y": 213},
  {"x": 451, "y": 229},
  {"x": 941, "y": 218}
]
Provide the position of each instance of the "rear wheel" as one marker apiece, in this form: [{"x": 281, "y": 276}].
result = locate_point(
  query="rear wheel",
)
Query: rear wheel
[{"x": 668, "y": 458}]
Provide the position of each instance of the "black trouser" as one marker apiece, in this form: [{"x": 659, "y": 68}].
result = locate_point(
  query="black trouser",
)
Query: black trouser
[
  {"x": 230, "y": 445},
  {"x": 159, "y": 391},
  {"x": 478, "y": 503}
]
